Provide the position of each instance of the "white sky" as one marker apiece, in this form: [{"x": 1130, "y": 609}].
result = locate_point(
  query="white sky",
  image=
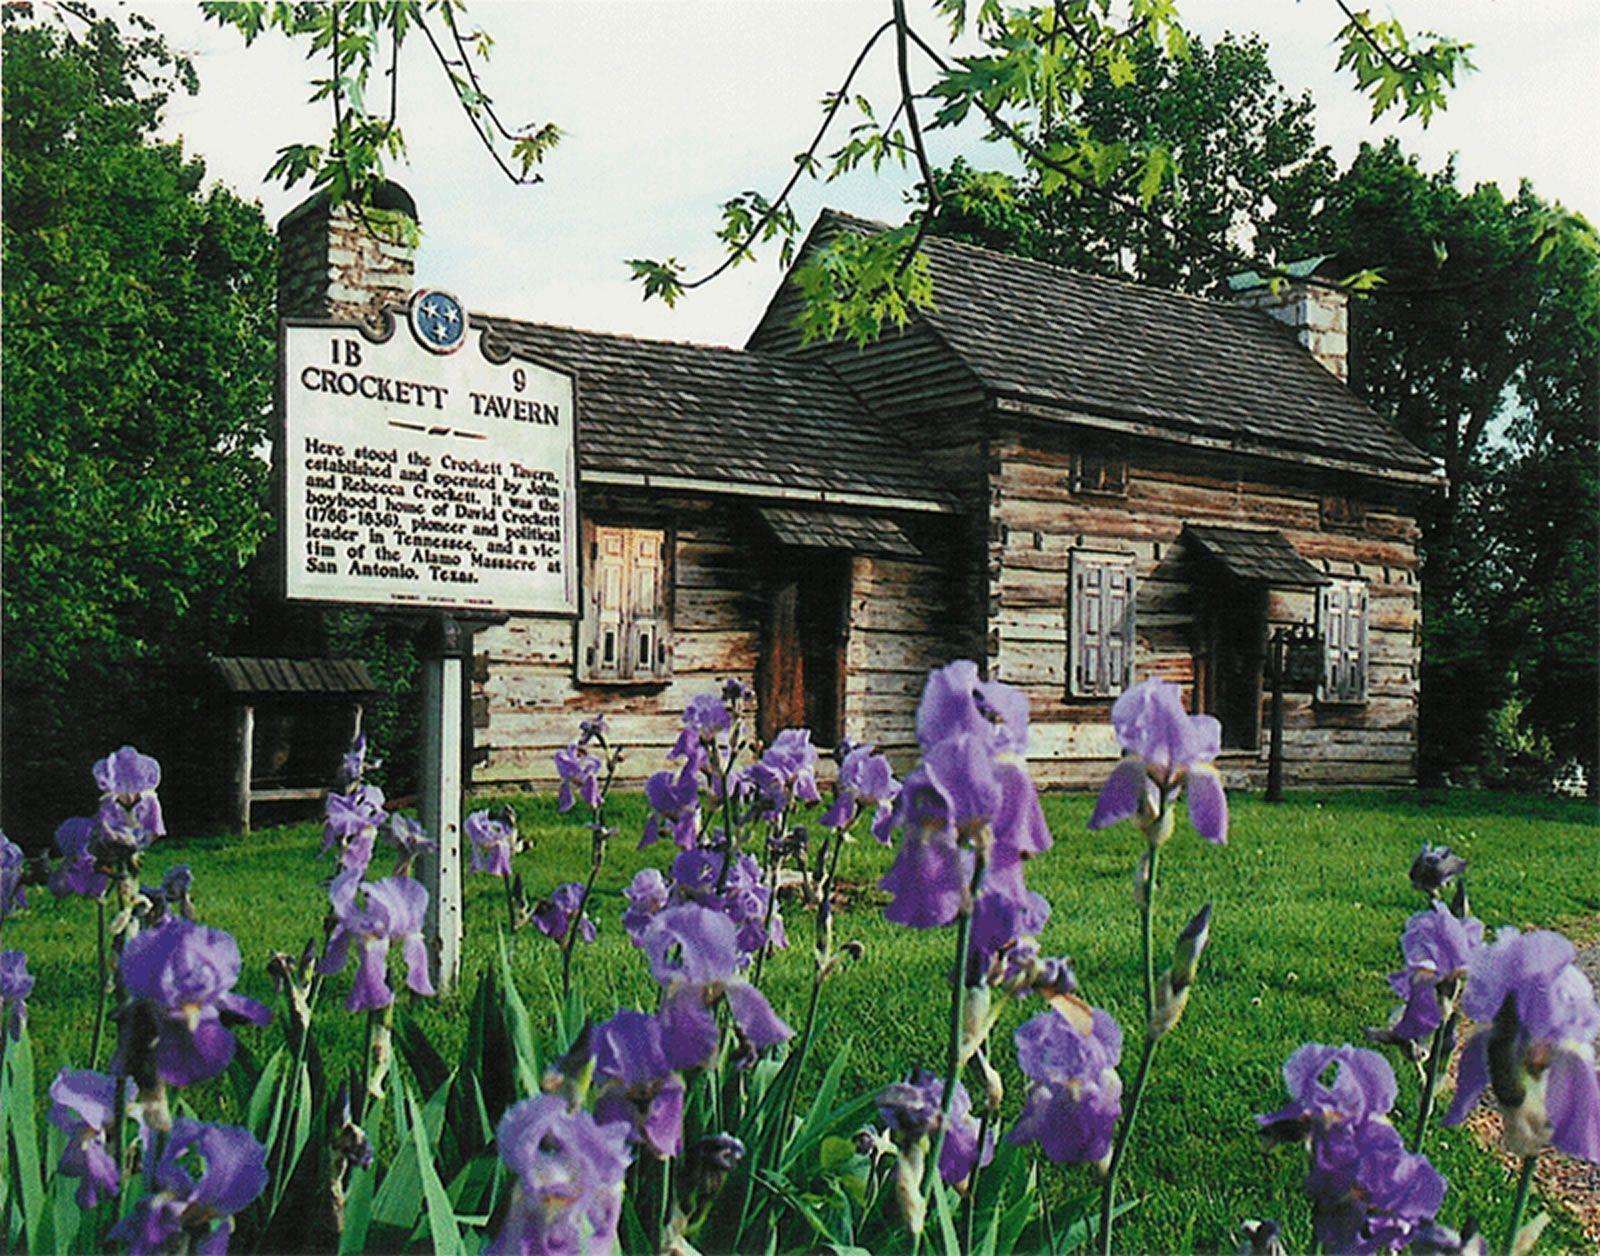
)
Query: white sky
[{"x": 671, "y": 106}]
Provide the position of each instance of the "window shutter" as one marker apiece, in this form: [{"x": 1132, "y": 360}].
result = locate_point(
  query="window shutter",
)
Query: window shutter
[
  {"x": 649, "y": 629},
  {"x": 1100, "y": 626},
  {"x": 1343, "y": 612},
  {"x": 626, "y": 632}
]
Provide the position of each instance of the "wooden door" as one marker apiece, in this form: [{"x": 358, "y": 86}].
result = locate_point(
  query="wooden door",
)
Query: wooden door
[{"x": 800, "y": 678}]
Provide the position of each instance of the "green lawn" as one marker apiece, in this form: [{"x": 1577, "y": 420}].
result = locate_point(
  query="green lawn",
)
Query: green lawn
[{"x": 1309, "y": 901}]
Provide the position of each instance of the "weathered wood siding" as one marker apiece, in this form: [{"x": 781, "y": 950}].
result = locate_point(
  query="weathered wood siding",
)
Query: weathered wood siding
[
  {"x": 1037, "y": 520},
  {"x": 899, "y": 612},
  {"x": 528, "y": 702}
]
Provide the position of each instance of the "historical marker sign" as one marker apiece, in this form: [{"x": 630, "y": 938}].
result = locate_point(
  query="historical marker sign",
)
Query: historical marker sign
[{"x": 419, "y": 471}]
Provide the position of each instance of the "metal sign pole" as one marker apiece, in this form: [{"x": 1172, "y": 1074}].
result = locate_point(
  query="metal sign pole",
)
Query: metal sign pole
[
  {"x": 1278, "y": 651},
  {"x": 443, "y": 679}
]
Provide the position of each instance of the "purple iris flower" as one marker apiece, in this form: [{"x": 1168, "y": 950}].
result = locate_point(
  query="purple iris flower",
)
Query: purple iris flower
[
  {"x": 355, "y": 765},
  {"x": 12, "y": 896},
  {"x": 744, "y": 899},
  {"x": 1438, "y": 947},
  {"x": 393, "y": 912},
  {"x": 647, "y": 895},
  {"x": 555, "y": 915},
  {"x": 910, "y": 1110},
  {"x": 1368, "y": 1193},
  {"x": 674, "y": 799},
  {"x": 1166, "y": 750},
  {"x": 410, "y": 841},
  {"x": 1537, "y": 1047},
  {"x": 1435, "y": 867},
  {"x": 968, "y": 783},
  {"x": 694, "y": 954},
  {"x": 955, "y": 702},
  {"x": 865, "y": 780},
  {"x": 83, "y": 1107},
  {"x": 15, "y": 986},
  {"x": 580, "y": 777},
  {"x": 493, "y": 838},
  {"x": 787, "y": 772},
  {"x": 130, "y": 812},
  {"x": 637, "y": 1085},
  {"x": 1005, "y": 914},
  {"x": 1074, "y": 1092},
  {"x": 205, "y": 1175},
  {"x": 1361, "y": 1088},
  {"x": 77, "y": 873},
  {"x": 706, "y": 722},
  {"x": 127, "y": 775},
  {"x": 185, "y": 973},
  {"x": 569, "y": 1170},
  {"x": 351, "y": 825},
  {"x": 592, "y": 730}
]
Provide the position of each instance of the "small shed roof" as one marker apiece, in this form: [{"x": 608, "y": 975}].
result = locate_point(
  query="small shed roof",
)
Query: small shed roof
[
  {"x": 248, "y": 676},
  {"x": 838, "y": 530},
  {"x": 1259, "y": 556}
]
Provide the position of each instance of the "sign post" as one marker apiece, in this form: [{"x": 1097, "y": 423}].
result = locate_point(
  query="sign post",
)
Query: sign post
[
  {"x": 444, "y": 643},
  {"x": 429, "y": 472}
]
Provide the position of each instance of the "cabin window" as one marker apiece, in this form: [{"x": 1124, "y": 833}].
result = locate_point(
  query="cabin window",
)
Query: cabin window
[
  {"x": 1343, "y": 514},
  {"x": 1342, "y": 612},
  {"x": 1100, "y": 627},
  {"x": 625, "y": 635},
  {"x": 1104, "y": 473}
]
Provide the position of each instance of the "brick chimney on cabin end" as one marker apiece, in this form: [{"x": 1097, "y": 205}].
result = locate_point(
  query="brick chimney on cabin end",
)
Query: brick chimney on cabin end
[
  {"x": 1318, "y": 312},
  {"x": 335, "y": 264}
]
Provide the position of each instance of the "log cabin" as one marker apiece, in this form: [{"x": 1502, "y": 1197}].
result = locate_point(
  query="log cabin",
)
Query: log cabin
[{"x": 1077, "y": 481}]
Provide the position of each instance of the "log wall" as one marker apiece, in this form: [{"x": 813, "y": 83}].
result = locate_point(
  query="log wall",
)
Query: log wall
[
  {"x": 1036, "y": 520},
  {"x": 528, "y": 702}
]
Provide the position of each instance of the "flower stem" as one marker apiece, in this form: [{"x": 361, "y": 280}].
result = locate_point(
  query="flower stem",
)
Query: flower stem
[
  {"x": 576, "y": 922},
  {"x": 1442, "y": 1037},
  {"x": 103, "y": 978},
  {"x": 664, "y": 1210},
  {"x": 952, "y": 1065},
  {"x": 1147, "y": 914},
  {"x": 1524, "y": 1185},
  {"x": 971, "y": 1207},
  {"x": 1108, "y": 1193},
  {"x": 511, "y": 905}
]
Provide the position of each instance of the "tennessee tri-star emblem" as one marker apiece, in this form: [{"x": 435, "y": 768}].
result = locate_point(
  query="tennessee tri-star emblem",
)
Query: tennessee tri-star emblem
[{"x": 438, "y": 321}]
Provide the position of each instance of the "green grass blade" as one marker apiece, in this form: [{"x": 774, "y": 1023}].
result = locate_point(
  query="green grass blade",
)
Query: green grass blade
[
  {"x": 442, "y": 1228},
  {"x": 520, "y": 1025},
  {"x": 256, "y": 1108},
  {"x": 25, "y": 1137}
]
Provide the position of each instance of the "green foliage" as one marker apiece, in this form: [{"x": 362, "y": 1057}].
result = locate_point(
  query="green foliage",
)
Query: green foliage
[
  {"x": 1229, "y": 153},
  {"x": 139, "y": 342},
  {"x": 1483, "y": 346},
  {"x": 356, "y": 41}
]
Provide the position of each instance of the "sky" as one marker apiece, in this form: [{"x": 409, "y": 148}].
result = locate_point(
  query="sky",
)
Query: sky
[{"x": 671, "y": 106}]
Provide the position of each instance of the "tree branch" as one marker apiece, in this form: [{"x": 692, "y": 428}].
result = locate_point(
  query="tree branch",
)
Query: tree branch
[
  {"x": 483, "y": 136},
  {"x": 742, "y": 249}
]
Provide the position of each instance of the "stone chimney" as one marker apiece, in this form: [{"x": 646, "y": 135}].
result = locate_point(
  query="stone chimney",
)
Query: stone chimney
[
  {"x": 339, "y": 264},
  {"x": 1318, "y": 311}
]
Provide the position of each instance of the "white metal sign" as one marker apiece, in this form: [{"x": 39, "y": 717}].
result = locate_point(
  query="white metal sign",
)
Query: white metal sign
[{"x": 421, "y": 472}]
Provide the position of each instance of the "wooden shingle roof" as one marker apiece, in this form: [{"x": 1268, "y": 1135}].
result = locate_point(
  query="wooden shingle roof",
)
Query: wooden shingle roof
[
  {"x": 303, "y": 676},
  {"x": 1082, "y": 344},
  {"x": 806, "y": 528},
  {"x": 1256, "y": 555},
  {"x": 724, "y": 418}
]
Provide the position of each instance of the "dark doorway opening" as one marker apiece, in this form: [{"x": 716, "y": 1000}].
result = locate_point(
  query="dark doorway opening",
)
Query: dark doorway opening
[
  {"x": 805, "y": 631},
  {"x": 1230, "y": 661}
]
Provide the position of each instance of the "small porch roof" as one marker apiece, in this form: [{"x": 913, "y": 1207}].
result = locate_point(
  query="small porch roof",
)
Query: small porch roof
[
  {"x": 1256, "y": 555},
  {"x": 838, "y": 530}
]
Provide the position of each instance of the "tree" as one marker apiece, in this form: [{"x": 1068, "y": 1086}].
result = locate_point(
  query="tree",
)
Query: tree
[
  {"x": 137, "y": 389},
  {"x": 1480, "y": 346},
  {"x": 1246, "y": 155}
]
